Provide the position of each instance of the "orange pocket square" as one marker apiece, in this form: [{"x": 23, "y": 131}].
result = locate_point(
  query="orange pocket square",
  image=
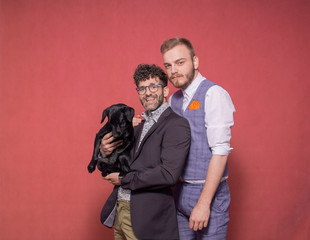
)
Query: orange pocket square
[{"x": 194, "y": 105}]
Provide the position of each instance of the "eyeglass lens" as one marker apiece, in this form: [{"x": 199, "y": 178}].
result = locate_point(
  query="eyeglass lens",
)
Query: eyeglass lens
[{"x": 151, "y": 87}]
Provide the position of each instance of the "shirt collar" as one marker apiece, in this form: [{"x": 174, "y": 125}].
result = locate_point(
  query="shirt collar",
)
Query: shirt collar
[
  {"x": 191, "y": 89},
  {"x": 155, "y": 114}
]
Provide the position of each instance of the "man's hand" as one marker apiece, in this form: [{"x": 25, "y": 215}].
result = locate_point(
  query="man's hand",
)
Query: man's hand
[
  {"x": 113, "y": 178},
  {"x": 199, "y": 217},
  {"x": 137, "y": 120},
  {"x": 201, "y": 212},
  {"x": 107, "y": 145}
]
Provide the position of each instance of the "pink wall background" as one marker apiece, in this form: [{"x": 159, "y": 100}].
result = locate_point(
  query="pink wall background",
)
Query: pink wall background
[{"x": 63, "y": 62}]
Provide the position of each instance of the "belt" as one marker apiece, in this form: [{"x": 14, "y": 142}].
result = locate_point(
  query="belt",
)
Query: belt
[{"x": 198, "y": 181}]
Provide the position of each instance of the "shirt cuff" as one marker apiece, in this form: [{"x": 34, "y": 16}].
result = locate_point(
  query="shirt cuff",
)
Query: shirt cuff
[{"x": 221, "y": 150}]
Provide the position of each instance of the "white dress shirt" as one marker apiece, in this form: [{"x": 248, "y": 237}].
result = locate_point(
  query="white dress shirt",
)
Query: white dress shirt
[{"x": 219, "y": 111}]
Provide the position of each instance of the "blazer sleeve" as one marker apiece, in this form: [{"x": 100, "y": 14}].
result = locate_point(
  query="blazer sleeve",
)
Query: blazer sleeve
[{"x": 174, "y": 151}]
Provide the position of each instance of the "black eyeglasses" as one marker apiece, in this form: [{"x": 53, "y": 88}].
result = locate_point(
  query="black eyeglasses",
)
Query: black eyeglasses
[{"x": 152, "y": 87}]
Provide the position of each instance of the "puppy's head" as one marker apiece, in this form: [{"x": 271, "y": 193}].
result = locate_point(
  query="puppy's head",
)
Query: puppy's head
[{"x": 119, "y": 117}]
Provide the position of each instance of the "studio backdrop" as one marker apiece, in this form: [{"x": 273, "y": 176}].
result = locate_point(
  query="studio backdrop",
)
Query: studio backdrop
[{"x": 62, "y": 62}]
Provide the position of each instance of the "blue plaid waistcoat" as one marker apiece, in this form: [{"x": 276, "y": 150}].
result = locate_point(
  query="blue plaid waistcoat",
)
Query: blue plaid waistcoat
[{"x": 200, "y": 153}]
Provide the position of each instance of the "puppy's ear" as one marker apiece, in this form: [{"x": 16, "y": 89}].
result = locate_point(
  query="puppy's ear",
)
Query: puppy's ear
[
  {"x": 104, "y": 114},
  {"x": 130, "y": 112}
]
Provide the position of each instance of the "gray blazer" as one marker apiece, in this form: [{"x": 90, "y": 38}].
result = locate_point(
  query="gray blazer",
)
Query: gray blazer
[{"x": 156, "y": 166}]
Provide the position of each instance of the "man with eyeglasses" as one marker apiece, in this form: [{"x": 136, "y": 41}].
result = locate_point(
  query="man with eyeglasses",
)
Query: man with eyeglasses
[{"x": 143, "y": 199}]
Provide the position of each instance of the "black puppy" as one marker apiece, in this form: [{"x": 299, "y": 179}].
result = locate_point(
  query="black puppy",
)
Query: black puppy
[{"x": 120, "y": 124}]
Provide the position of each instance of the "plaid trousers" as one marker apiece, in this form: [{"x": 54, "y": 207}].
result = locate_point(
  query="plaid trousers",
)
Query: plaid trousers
[{"x": 187, "y": 195}]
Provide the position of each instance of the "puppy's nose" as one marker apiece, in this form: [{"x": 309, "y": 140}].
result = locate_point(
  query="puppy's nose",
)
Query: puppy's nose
[{"x": 117, "y": 132}]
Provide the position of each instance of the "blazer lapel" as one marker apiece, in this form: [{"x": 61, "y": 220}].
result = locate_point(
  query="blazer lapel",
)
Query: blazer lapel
[
  {"x": 160, "y": 121},
  {"x": 138, "y": 130}
]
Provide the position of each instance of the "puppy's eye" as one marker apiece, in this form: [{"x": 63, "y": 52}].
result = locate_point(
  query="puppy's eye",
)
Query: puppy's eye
[{"x": 123, "y": 123}]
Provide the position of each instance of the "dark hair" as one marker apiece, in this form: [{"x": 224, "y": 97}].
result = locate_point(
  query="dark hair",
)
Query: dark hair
[
  {"x": 145, "y": 71},
  {"x": 171, "y": 43}
]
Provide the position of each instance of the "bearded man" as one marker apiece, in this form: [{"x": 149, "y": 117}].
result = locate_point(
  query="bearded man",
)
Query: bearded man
[
  {"x": 203, "y": 195},
  {"x": 141, "y": 205}
]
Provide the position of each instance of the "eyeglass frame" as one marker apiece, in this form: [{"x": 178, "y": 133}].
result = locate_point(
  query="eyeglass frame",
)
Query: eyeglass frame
[{"x": 148, "y": 87}]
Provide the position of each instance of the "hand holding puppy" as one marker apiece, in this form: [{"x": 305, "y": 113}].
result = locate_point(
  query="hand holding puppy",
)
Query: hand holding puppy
[{"x": 107, "y": 145}]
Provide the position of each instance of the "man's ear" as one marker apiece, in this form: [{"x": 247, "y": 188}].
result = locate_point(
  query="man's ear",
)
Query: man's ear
[
  {"x": 166, "y": 91},
  {"x": 104, "y": 114},
  {"x": 196, "y": 62}
]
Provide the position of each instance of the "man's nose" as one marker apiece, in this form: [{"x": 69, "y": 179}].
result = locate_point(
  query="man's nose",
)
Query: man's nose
[{"x": 174, "y": 69}]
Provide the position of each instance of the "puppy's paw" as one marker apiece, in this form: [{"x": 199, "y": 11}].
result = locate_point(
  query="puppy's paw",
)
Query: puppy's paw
[
  {"x": 126, "y": 168},
  {"x": 104, "y": 173},
  {"x": 124, "y": 162},
  {"x": 91, "y": 167}
]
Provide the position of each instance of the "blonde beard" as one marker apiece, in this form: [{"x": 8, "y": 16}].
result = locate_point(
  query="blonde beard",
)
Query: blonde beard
[{"x": 189, "y": 79}]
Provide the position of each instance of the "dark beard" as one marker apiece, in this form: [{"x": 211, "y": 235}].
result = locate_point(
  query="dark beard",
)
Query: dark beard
[{"x": 160, "y": 101}]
